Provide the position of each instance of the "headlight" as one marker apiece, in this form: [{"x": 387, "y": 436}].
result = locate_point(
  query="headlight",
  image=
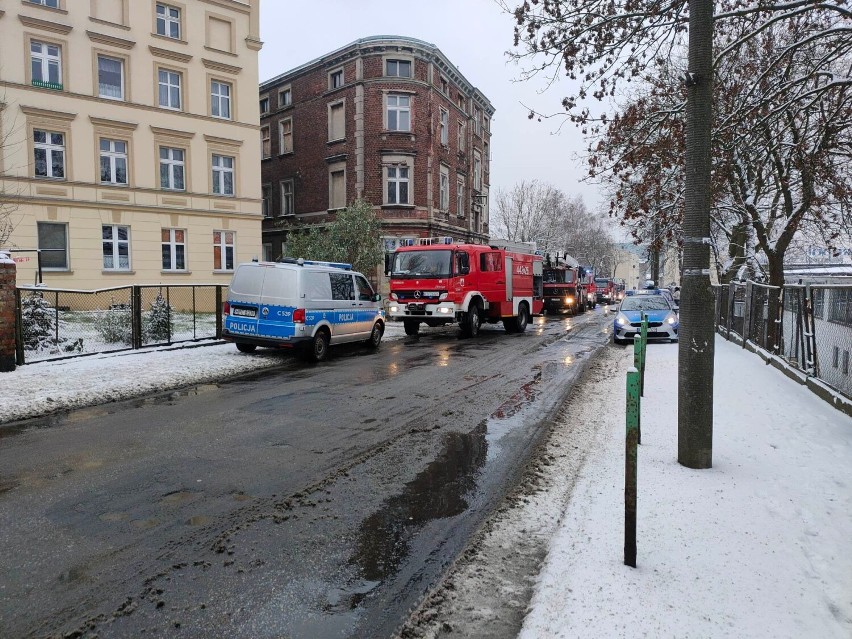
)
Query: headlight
[
  {"x": 671, "y": 318},
  {"x": 393, "y": 309},
  {"x": 443, "y": 296},
  {"x": 621, "y": 319},
  {"x": 445, "y": 310},
  {"x": 569, "y": 300}
]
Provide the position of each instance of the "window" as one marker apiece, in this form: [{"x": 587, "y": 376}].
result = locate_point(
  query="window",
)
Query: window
[
  {"x": 285, "y": 98},
  {"x": 168, "y": 21},
  {"x": 285, "y": 136},
  {"x": 47, "y": 3},
  {"x": 264, "y": 106},
  {"x": 266, "y": 205},
  {"x": 110, "y": 78},
  {"x": 46, "y": 64},
  {"x": 398, "y": 68},
  {"x": 223, "y": 250},
  {"x": 49, "y": 154},
  {"x": 174, "y": 249},
  {"x": 840, "y": 306},
  {"x": 220, "y": 99},
  {"x": 169, "y": 82},
  {"x": 53, "y": 240},
  {"x": 267, "y": 252},
  {"x": 445, "y": 127},
  {"x": 287, "y": 205},
  {"x": 399, "y": 113},
  {"x": 341, "y": 286},
  {"x": 477, "y": 171},
  {"x": 113, "y": 161},
  {"x": 460, "y": 196},
  {"x": 172, "y": 169},
  {"x": 460, "y": 101},
  {"x": 460, "y": 136},
  {"x": 337, "y": 188},
  {"x": 265, "y": 142},
  {"x": 335, "y": 79},
  {"x": 485, "y": 123},
  {"x": 365, "y": 291},
  {"x": 397, "y": 184},
  {"x": 444, "y": 189},
  {"x": 116, "y": 243},
  {"x": 490, "y": 262},
  {"x": 223, "y": 175},
  {"x": 336, "y": 122},
  {"x": 444, "y": 86},
  {"x": 477, "y": 121}
]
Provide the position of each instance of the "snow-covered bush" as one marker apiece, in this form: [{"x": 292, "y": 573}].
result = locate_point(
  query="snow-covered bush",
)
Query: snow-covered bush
[
  {"x": 158, "y": 321},
  {"x": 38, "y": 320},
  {"x": 115, "y": 325}
]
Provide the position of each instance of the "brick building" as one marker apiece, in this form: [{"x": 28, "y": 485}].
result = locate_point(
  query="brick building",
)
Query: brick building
[{"x": 386, "y": 118}]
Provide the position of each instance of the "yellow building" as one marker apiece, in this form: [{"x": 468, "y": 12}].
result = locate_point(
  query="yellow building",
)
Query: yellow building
[{"x": 130, "y": 141}]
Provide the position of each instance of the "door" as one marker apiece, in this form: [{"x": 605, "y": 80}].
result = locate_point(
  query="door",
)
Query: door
[
  {"x": 345, "y": 322},
  {"x": 492, "y": 278},
  {"x": 366, "y": 313}
]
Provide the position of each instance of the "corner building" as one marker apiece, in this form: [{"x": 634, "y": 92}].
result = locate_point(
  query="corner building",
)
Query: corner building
[
  {"x": 388, "y": 119},
  {"x": 128, "y": 139}
]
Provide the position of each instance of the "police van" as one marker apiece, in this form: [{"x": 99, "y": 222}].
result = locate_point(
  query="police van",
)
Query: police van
[{"x": 301, "y": 303}]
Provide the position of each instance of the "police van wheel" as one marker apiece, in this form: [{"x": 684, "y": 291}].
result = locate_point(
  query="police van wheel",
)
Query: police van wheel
[
  {"x": 318, "y": 350},
  {"x": 247, "y": 348},
  {"x": 411, "y": 327},
  {"x": 375, "y": 335}
]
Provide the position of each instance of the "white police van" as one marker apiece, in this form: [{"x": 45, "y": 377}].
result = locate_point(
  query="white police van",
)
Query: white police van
[{"x": 301, "y": 303}]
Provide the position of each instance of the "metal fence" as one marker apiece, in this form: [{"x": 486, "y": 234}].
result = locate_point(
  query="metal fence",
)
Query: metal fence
[
  {"x": 55, "y": 323},
  {"x": 807, "y": 325}
]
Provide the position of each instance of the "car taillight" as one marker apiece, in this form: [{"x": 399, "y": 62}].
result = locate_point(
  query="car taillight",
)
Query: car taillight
[
  {"x": 299, "y": 315},
  {"x": 226, "y": 309}
]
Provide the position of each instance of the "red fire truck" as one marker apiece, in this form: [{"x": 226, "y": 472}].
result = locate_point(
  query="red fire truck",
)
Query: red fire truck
[
  {"x": 561, "y": 285},
  {"x": 437, "y": 281},
  {"x": 587, "y": 284}
]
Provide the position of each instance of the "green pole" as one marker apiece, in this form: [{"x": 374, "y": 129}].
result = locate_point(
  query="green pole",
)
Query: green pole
[
  {"x": 644, "y": 331},
  {"x": 638, "y": 366},
  {"x": 630, "y": 489}
]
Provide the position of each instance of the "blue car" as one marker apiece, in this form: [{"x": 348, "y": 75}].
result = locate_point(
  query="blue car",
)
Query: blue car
[{"x": 663, "y": 320}]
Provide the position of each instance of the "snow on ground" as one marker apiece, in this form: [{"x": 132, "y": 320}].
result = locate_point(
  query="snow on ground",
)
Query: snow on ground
[
  {"x": 757, "y": 546},
  {"x": 48, "y": 386}
]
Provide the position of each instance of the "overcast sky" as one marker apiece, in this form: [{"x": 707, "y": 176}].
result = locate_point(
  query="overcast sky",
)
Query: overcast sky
[{"x": 474, "y": 35}]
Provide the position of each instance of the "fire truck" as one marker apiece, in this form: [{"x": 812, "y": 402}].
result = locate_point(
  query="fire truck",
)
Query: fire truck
[
  {"x": 436, "y": 281},
  {"x": 562, "y": 285},
  {"x": 587, "y": 284}
]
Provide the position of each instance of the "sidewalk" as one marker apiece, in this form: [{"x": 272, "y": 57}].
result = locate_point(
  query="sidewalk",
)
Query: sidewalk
[{"x": 757, "y": 546}]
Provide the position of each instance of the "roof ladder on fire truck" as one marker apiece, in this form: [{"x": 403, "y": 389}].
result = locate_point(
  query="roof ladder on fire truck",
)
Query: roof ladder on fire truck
[{"x": 516, "y": 247}]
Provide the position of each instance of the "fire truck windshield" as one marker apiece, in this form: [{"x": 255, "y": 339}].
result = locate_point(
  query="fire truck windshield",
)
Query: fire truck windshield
[
  {"x": 558, "y": 276},
  {"x": 434, "y": 264}
]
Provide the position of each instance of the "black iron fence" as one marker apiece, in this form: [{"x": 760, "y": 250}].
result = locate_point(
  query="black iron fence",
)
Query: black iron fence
[
  {"x": 807, "y": 325},
  {"x": 54, "y": 323}
]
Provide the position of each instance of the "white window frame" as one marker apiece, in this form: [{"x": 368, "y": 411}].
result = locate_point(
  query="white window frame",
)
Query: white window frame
[
  {"x": 173, "y": 245},
  {"x": 444, "y": 189},
  {"x": 333, "y": 79},
  {"x": 288, "y": 198},
  {"x": 288, "y": 92},
  {"x": 398, "y": 62},
  {"x": 461, "y": 135},
  {"x": 169, "y": 86},
  {"x": 394, "y": 178},
  {"x": 460, "y": 193},
  {"x": 101, "y": 94},
  {"x": 223, "y": 247},
  {"x": 219, "y": 99},
  {"x": 50, "y": 148},
  {"x": 221, "y": 170},
  {"x": 477, "y": 171},
  {"x": 394, "y": 106},
  {"x": 477, "y": 120},
  {"x": 115, "y": 245},
  {"x": 114, "y": 158},
  {"x": 260, "y": 103},
  {"x": 167, "y": 20},
  {"x": 45, "y": 59},
  {"x": 281, "y": 146},
  {"x": 444, "y": 117},
  {"x": 172, "y": 163},
  {"x": 53, "y": 4},
  {"x": 265, "y": 142}
]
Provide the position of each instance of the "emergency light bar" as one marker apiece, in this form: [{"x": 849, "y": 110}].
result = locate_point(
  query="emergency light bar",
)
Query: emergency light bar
[
  {"x": 429, "y": 241},
  {"x": 301, "y": 262}
]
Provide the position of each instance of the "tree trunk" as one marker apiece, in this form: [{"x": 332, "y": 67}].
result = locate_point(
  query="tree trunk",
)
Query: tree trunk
[
  {"x": 696, "y": 347},
  {"x": 775, "y": 308}
]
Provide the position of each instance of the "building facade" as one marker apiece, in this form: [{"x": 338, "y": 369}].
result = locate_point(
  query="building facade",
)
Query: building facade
[
  {"x": 129, "y": 139},
  {"x": 388, "y": 119}
]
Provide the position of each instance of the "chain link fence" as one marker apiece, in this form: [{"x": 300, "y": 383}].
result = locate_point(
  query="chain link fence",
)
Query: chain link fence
[
  {"x": 56, "y": 323},
  {"x": 807, "y": 325}
]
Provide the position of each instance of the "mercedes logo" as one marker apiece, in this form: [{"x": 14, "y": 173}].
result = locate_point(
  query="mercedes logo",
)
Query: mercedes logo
[{"x": 417, "y": 295}]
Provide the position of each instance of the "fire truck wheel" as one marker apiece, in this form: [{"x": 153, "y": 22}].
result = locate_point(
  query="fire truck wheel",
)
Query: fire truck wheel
[
  {"x": 522, "y": 319},
  {"x": 472, "y": 321},
  {"x": 375, "y": 335},
  {"x": 411, "y": 326}
]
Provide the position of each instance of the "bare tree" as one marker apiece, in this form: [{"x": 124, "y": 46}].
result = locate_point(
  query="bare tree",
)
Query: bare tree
[{"x": 8, "y": 204}]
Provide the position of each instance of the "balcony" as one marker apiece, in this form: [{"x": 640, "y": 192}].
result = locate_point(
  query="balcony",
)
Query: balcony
[{"x": 47, "y": 85}]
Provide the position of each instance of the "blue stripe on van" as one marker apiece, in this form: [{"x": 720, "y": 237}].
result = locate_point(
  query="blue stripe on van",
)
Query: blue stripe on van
[{"x": 277, "y": 321}]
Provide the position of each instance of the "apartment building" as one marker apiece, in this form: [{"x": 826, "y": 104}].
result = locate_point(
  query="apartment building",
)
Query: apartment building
[
  {"x": 388, "y": 119},
  {"x": 130, "y": 139}
]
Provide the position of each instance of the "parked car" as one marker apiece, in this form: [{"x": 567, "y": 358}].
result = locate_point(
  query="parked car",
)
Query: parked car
[
  {"x": 301, "y": 303},
  {"x": 663, "y": 321}
]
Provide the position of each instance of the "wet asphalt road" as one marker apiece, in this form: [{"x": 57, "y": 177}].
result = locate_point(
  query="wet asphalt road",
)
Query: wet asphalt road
[{"x": 310, "y": 501}]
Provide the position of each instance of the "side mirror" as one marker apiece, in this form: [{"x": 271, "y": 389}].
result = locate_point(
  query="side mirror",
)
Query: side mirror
[{"x": 377, "y": 298}]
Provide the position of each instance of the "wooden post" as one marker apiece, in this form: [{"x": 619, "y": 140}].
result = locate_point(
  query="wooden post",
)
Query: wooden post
[{"x": 630, "y": 474}]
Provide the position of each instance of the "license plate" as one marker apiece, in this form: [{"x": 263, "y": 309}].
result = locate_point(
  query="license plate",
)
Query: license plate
[{"x": 244, "y": 312}]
